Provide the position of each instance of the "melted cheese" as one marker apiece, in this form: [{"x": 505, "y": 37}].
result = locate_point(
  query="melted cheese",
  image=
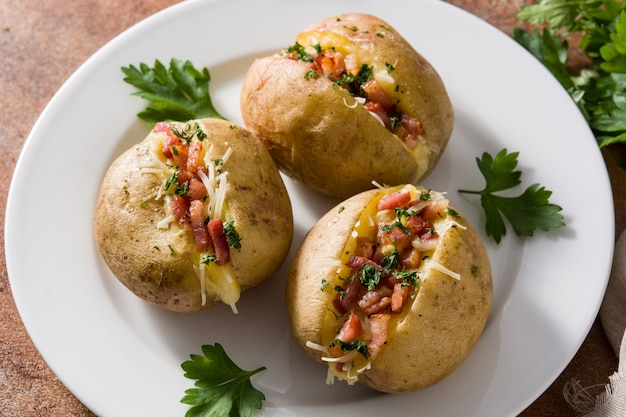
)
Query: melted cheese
[
  {"x": 365, "y": 227},
  {"x": 329, "y": 40},
  {"x": 218, "y": 279}
]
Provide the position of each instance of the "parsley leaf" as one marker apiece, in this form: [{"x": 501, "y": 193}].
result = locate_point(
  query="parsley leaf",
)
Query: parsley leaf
[
  {"x": 223, "y": 389},
  {"x": 527, "y": 212},
  {"x": 177, "y": 93}
]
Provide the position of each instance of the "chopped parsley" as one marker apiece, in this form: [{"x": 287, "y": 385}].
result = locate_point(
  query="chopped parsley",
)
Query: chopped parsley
[
  {"x": 182, "y": 189},
  {"x": 360, "y": 347},
  {"x": 188, "y": 132},
  {"x": 474, "y": 270},
  {"x": 207, "y": 259},
  {"x": 369, "y": 276},
  {"x": 341, "y": 291},
  {"x": 232, "y": 237},
  {"x": 391, "y": 260},
  {"x": 300, "y": 52},
  {"x": 352, "y": 82}
]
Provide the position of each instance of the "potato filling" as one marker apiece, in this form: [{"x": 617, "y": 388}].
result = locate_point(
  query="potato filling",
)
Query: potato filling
[
  {"x": 194, "y": 188},
  {"x": 390, "y": 247},
  {"x": 368, "y": 80}
]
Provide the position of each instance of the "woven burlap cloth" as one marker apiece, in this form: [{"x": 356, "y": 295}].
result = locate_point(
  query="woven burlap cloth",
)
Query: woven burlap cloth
[{"x": 612, "y": 402}]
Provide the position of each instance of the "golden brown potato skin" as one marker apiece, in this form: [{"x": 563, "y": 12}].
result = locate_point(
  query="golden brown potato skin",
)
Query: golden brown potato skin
[
  {"x": 138, "y": 253},
  {"x": 445, "y": 320},
  {"x": 318, "y": 140}
]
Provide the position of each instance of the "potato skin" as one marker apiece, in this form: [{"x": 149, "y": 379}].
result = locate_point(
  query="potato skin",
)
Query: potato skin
[
  {"x": 446, "y": 318},
  {"x": 139, "y": 254},
  {"x": 318, "y": 140}
]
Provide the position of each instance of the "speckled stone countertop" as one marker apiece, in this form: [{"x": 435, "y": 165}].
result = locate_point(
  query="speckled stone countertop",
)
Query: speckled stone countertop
[{"x": 42, "y": 42}]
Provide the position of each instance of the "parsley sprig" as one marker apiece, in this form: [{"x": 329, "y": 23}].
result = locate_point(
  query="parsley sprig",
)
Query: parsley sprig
[
  {"x": 527, "y": 212},
  {"x": 222, "y": 388},
  {"x": 176, "y": 93},
  {"x": 600, "y": 89}
]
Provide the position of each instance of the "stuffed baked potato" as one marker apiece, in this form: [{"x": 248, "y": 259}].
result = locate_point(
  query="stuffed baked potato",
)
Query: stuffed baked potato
[
  {"x": 350, "y": 102},
  {"x": 193, "y": 215},
  {"x": 392, "y": 289}
]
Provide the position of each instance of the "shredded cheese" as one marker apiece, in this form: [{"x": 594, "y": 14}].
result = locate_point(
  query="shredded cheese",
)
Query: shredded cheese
[
  {"x": 316, "y": 346},
  {"x": 165, "y": 222},
  {"x": 438, "y": 267},
  {"x": 218, "y": 279},
  {"x": 220, "y": 194},
  {"x": 353, "y": 364}
]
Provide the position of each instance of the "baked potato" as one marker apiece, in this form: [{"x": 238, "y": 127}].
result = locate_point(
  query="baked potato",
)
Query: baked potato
[
  {"x": 392, "y": 289},
  {"x": 348, "y": 103},
  {"x": 193, "y": 215}
]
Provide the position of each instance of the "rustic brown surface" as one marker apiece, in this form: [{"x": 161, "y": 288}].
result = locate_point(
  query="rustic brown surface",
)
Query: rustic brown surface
[{"x": 41, "y": 43}]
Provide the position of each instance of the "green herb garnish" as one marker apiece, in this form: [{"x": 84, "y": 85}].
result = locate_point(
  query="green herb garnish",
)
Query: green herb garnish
[
  {"x": 222, "y": 388},
  {"x": 390, "y": 261},
  {"x": 180, "y": 92},
  {"x": 369, "y": 276},
  {"x": 407, "y": 278},
  {"x": 188, "y": 132},
  {"x": 599, "y": 90},
  {"x": 360, "y": 347},
  {"x": 232, "y": 237},
  {"x": 182, "y": 189},
  {"x": 300, "y": 51},
  {"x": 207, "y": 259},
  {"x": 527, "y": 212}
]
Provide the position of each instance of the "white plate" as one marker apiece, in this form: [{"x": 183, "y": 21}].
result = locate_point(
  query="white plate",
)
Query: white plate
[{"x": 122, "y": 357}]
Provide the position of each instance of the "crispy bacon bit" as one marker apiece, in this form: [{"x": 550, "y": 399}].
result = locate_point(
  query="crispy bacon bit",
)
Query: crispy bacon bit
[
  {"x": 162, "y": 127},
  {"x": 180, "y": 207},
  {"x": 358, "y": 261},
  {"x": 200, "y": 233},
  {"x": 184, "y": 176},
  {"x": 331, "y": 64},
  {"x": 377, "y": 110},
  {"x": 433, "y": 210},
  {"x": 375, "y": 301},
  {"x": 350, "y": 296},
  {"x": 179, "y": 154},
  {"x": 399, "y": 297},
  {"x": 351, "y": 329},
  {"x": 194, "y": 157},
  {"x": 410, "y": 258},
  {"x": 415, "y": 224},
  {"x": 410, "y": 130},
  {"x": 379, "y": 327},
  {"x": 377, "y": 95},
  {"x": 391, "y": 236},
  {"x": 220, "y": 244},
  {"x": 373, "y": 297},
  {"x": 170, "y": 141},
  {"x": 394, "y": 200},
  {"x": 196, "y": 189},
  {"x": 364, "y": 248}
]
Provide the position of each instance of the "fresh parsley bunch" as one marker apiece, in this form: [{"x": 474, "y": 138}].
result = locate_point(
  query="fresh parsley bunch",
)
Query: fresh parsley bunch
[
  {"x": 222, "y": 388},
  {"x": 600, "y": 89},
  {"x": 527, "y": 212}
]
